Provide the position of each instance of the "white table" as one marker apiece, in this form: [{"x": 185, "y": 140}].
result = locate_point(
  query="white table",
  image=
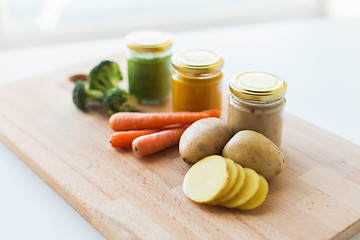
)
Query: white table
[{"x": 319, "y": 59}]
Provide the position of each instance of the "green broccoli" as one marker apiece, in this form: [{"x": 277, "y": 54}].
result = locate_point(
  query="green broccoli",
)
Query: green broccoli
[
  {"x": 118, "y": 100},
  {"x": 82, "y": 96},
  {"x": 105, "y": 75}
]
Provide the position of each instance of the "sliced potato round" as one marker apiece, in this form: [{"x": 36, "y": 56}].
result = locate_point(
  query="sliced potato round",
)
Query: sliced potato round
[
  {"x": 232, "y": 180},
  {"x": 259, "y": 196},
  {"x": 237, "y": 186},
  {"x": 251, "y": 185},
  {"x": 207, "y": 179}
]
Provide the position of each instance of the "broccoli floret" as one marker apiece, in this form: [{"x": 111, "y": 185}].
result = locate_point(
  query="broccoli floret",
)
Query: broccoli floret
[
  {"x": 118, "y": 100},
  {"x": 105, "y": 75},
  {"x": 82, "y": 96}
]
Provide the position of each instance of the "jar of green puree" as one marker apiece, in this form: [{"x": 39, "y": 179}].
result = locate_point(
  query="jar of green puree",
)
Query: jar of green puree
[{"x": 149, "y": 65}]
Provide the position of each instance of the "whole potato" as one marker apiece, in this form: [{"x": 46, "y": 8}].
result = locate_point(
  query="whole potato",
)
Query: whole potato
[
  {"x": 203, "y": 138},
  {"x": 253, "y": 150}
]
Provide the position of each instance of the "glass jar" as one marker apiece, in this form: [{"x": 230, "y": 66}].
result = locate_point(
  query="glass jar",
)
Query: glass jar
[
  {"x": 149, "y": 65},
  {"x": 257, "y": 102},
  {"x": 196, "y": 80}
]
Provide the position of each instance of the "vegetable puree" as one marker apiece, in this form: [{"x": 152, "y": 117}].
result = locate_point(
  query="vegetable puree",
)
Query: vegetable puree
[
  {"x": 196, "y": 80},
  {"x": 257, "y": 103},
  {"x": 196, "y": 95},
  {"x": 267, "y": 120},
  {"x": 150, "y": 79},
  {"x": 149, "y": 65}
]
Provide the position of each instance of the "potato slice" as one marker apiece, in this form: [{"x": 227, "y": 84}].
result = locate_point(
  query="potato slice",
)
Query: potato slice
[
  {"x": 237, "y": 186},
  {"x": 251, "y": 185},
  {"x": 259, "y": 196},
  {"x": 232, "y": 180},
  {"x": 207, "y": 179}
]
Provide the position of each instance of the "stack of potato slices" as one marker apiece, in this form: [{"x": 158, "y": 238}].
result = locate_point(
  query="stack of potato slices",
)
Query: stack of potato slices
[{"x": 220, "y": 181}]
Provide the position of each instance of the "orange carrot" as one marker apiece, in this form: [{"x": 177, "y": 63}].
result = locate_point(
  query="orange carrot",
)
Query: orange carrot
[
  {"x": 133, "y": 120},
  {"x": 124, "y": 139},
  {"x": 155, "y": 142}
]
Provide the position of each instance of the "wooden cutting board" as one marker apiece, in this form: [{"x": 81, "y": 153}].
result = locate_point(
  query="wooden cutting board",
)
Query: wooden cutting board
[{"x": 126, "y": 197}]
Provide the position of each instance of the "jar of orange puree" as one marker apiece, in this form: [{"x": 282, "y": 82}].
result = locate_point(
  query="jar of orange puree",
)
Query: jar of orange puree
[{"x": 196, "y": 80}]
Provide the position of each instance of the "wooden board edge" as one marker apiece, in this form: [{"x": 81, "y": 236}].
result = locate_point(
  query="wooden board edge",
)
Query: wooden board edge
[
  {"x": 348, "y": 232},
  {"x": 84, "y": 212}
]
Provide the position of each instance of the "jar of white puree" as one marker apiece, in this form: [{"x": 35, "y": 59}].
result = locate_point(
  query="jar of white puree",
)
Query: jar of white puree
[{"x": 257, "y": 102}]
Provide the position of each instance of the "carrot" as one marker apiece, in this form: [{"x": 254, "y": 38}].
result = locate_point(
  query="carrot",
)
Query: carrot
[
  {"x": 155, "y": 142},
  {"x": 133, "y": 120},
  {"x": 124, "y": 139}
]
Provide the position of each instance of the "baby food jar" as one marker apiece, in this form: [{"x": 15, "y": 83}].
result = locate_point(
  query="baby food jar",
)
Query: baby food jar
[
  {"x": 149, "y": 65},
  {"x": 196, "y": 80},
  {"x": 257, "y": 102}
]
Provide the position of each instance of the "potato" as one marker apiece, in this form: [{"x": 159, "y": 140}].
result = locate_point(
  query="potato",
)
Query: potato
[
  {"x": 237, "y": 186},
  {"x": 203, "y": 138},
  {"x": 233, "y": 175},
  {"x": 251, "y": 185},
  {"x": 259, "y": 196},
  {"x": 207, "y": 179},
  {"x": 253, "y": 150},
  {"x": 216, "y": 180}
]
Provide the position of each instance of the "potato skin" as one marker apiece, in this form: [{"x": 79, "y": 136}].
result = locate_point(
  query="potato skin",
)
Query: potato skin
[
  {"x": 203, "y": 138},
  {"x": 253, "y": 150}
]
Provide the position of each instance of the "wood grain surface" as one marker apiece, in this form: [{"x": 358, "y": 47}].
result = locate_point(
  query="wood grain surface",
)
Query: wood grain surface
[{"x": 127, "y": 197}]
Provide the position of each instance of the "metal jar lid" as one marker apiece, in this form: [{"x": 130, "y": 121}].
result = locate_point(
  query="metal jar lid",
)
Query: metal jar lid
[
  {"x": 149, "y": 41},
  {"x": 197, "y": 61},
  {"x": 257, "y": 86}
]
